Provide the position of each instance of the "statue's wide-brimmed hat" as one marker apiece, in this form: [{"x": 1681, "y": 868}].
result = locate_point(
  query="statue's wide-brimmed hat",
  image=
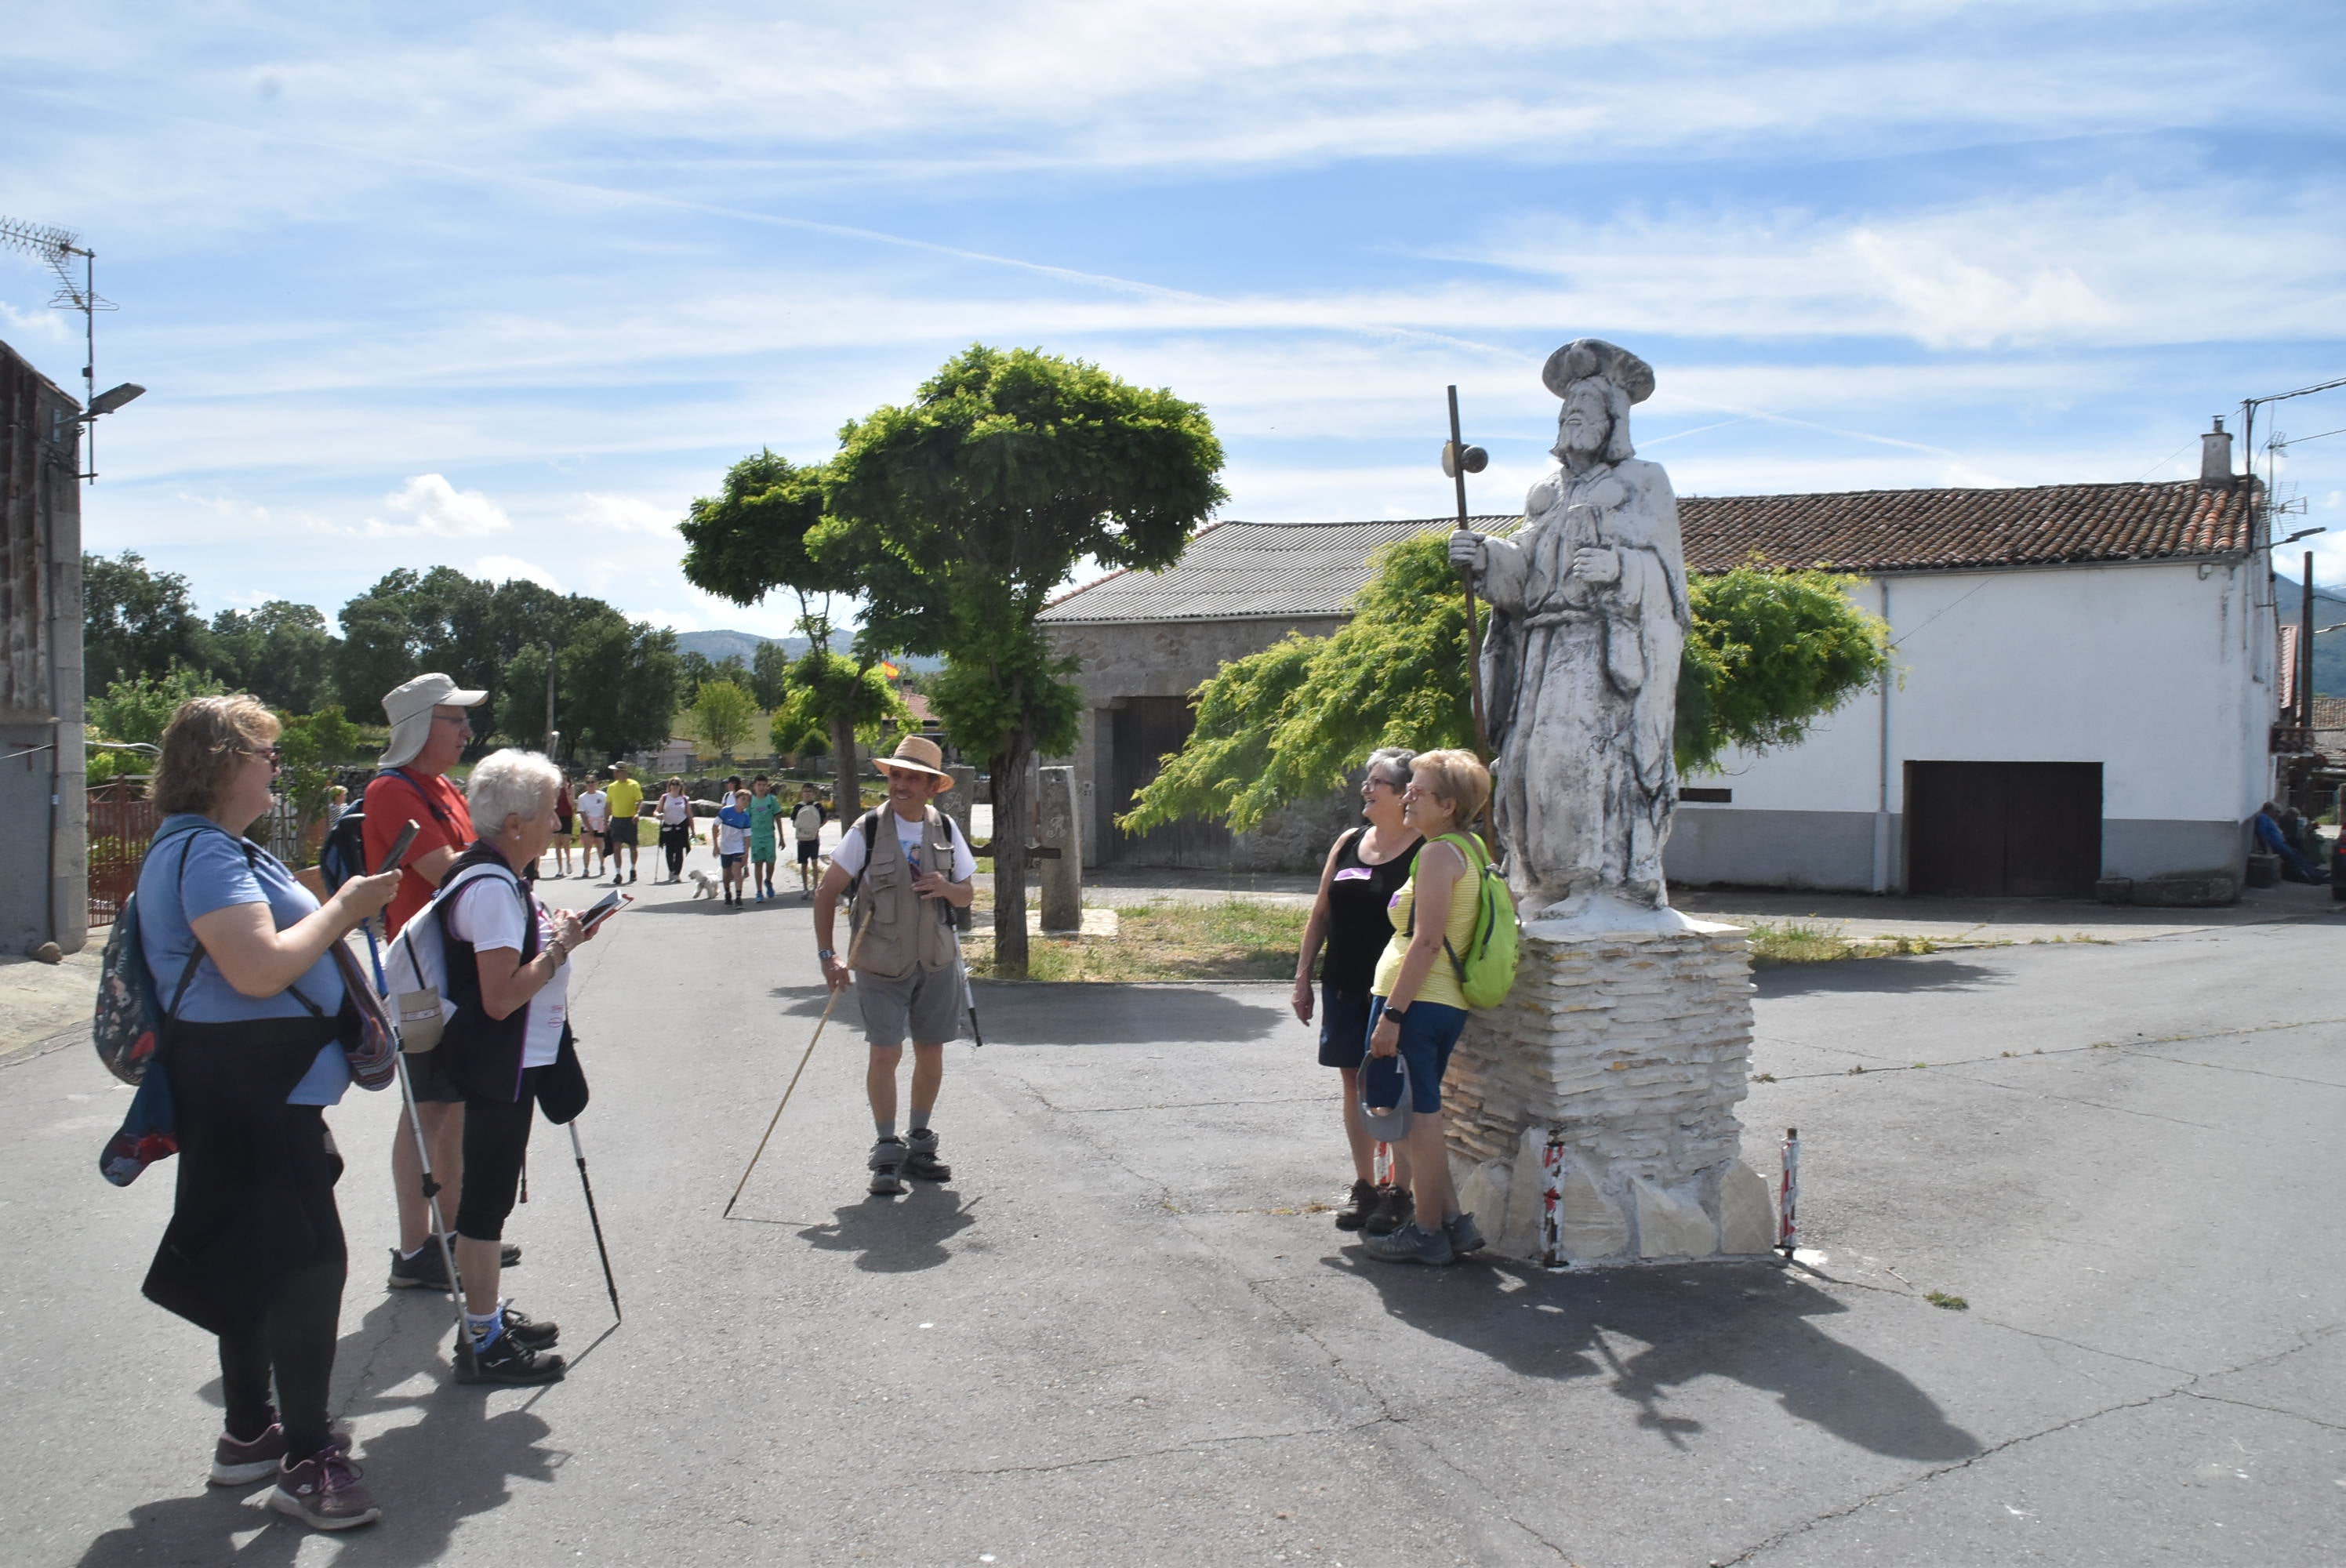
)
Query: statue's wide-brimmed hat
[
  {"x": 917, "y": 754},
  {"x": 1585, "y": 357}
]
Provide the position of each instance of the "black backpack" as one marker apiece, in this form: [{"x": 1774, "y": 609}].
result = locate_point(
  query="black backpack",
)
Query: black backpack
[{"x": 343, "y": 854}]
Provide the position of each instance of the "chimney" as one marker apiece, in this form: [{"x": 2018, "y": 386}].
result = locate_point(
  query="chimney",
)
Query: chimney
[{"x": 2215, "y": 458}]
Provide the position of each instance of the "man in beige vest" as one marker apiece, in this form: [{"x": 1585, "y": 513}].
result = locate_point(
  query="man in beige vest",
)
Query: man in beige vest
[{"x": 905, "y": 863}]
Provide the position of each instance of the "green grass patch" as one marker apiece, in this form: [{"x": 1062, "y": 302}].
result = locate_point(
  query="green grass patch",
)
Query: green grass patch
[
  {"x": 1952, "y": 1303},
  {"x": 1827, "y": 941},
  {"x": 1234, "y": 939}
]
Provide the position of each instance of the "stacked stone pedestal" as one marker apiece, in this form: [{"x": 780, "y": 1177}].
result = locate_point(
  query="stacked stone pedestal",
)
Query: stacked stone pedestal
[{"x": 1636, "y": 1047}]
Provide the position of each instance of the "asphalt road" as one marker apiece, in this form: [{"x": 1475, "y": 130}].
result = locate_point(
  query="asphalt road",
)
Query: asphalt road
[{"x": 1121, "y": 1336}]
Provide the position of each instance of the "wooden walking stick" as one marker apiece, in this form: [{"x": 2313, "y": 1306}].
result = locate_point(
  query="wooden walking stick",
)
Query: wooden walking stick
[{"x": 852, "y": 948}]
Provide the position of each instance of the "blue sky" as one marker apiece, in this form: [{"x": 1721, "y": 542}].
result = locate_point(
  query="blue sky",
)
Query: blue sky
[{"x": 502, "y": 287}]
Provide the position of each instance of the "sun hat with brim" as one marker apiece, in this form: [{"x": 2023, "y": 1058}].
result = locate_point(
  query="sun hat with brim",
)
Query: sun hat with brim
[
  {"x": 915, "y": 754},
  {"x": 409, "y": 709},
  {"x": 1386, "y": 1127}
]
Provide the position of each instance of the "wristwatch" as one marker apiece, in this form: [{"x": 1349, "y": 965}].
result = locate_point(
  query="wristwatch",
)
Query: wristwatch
[
  {"x": 826, "y": 954},
  {"x": 1401, "y": 1012}
]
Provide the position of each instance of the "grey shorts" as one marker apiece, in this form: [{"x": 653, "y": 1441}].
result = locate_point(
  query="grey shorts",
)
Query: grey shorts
[{"x": 924, "y": 1006}]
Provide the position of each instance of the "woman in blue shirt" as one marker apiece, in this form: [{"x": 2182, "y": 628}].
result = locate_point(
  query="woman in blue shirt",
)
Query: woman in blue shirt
[{"x": 241, "y": 958}]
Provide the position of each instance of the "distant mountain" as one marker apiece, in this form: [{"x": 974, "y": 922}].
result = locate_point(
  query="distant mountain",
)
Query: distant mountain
[
  {"x": 2329, "y": 610},
  {"x": 716, "y": 647}
]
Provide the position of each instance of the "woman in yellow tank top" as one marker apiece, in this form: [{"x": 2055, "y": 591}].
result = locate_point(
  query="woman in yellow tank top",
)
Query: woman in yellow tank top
[{"x": 1416, "y": 1009}]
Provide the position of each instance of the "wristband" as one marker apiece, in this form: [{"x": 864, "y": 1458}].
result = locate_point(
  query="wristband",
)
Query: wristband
[{"x": 824, "y": 954}]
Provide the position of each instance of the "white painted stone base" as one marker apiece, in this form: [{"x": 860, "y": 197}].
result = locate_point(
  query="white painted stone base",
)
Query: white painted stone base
[{"x": 1637, "y": 1046}]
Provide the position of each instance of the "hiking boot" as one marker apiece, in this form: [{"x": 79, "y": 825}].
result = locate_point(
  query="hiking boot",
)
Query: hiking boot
[
  {"x": 237, "y": 1464},
  {"x": 1358, "y": 1207},
  {"x": 1411, "y": 1245},
  {"x": 507, "y": 1360},
  {"x": 1394, "y": 1209},
  {"x": 324, "y": 1491},
  {"x": 540, "y": 1336},
  {"x": 923, "y": 1161},
  {"x": 1466, "y": 1236},
  {"x": 427, "y": 1270},
  {"x": 887, "y": 1166}
]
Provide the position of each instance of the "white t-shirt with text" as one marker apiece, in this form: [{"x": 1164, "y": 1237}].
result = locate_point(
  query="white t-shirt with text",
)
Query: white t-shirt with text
[
  {"x": 595, "y": 807},
  {"x": 848, "y": 856}
]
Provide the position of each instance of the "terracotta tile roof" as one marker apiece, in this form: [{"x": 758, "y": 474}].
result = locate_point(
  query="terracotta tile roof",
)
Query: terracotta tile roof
[
  {"x": 1263, "y": 571},
  {"x": 1942, "y": 530}
]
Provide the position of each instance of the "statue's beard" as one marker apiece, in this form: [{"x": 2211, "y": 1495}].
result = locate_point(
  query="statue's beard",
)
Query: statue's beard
[{"x": 1583, "y": 443}]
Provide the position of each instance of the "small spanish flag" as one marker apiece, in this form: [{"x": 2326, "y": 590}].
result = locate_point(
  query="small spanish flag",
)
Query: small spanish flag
[{"x": 889, "y": 670}]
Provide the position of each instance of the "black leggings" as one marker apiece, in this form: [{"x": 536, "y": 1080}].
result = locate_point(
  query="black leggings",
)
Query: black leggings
[
  {"x": 496, "y": 1137},
  {"x": 295, "y": 1339},
  {"x": 674, "y": 838}
]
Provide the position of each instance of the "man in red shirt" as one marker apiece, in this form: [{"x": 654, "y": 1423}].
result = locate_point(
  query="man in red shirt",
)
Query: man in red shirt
[{"x": 429, "y": 729}]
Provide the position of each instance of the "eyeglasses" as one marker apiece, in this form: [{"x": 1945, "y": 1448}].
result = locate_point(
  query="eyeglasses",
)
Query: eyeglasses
[
  {"x": 452, "y": 719},
  {"x": 276, "y": 756},
  {"x": 1381, "y": 782}
]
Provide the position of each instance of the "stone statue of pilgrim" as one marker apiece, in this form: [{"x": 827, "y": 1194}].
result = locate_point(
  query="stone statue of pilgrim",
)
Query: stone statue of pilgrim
[{"x": 1580, "y": 671}]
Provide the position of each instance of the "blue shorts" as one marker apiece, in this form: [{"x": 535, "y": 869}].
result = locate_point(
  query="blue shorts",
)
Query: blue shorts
[
  {"x": 1344, "y": 1027},
  {"x": 1429, "y": 1032}
]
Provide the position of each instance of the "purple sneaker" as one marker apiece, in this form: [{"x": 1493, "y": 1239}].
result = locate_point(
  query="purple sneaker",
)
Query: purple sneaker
[
  {"x": 237, "y": 1464},
  {"x": 324, "y": 1492}
]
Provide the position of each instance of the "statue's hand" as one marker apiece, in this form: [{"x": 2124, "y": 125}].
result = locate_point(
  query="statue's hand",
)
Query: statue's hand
[
  {"x": 1592, "y": 564},
  {"x": 1467, "y": 552}
]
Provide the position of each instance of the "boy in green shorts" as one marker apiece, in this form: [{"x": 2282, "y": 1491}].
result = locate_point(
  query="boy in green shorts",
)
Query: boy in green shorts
[{"x": 765, "y": 806}]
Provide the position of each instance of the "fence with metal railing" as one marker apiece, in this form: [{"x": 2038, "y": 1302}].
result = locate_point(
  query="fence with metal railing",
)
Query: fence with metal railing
[{"x": 122, "y": 822}]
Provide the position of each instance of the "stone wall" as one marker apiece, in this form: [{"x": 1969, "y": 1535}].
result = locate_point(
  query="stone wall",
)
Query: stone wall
[{"x": 1636, "y": 1047}]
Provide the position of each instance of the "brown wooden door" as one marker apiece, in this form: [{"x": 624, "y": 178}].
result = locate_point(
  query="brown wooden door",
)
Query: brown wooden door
[
  {"x": 1144, "y": 730},
  {"x": 2004, "y": 830}
]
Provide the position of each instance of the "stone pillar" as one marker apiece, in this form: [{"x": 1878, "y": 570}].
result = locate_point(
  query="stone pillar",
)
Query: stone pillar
[
  {"x": 1636, "y": 1046},
  {"x": 958, "y": 801},
  {"x": 1062, "y": 879}
]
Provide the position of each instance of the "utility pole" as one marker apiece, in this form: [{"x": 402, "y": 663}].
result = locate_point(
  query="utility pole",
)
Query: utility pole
[
  {"x": 58, "y": 247},
  {"x": 2305, "y": 652},
  {"x": 553, "y": 736}
]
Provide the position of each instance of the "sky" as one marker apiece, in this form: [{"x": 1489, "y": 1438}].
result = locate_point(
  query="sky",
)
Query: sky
[{"x": 503, "y": 287}]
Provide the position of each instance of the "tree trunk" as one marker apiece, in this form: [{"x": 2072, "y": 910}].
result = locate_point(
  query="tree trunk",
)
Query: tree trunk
[
  {"x": 1012, "y": 808},
  {"x": 846, "y": 800}
]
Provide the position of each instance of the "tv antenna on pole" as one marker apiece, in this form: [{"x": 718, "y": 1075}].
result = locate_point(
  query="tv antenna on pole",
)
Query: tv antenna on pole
[{"x": 59, "y": 248}]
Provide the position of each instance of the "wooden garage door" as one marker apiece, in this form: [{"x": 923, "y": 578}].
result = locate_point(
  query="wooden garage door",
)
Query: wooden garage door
[
  {"x": 2004, "y": 830},
  {"x": 1144, "y": 731}
]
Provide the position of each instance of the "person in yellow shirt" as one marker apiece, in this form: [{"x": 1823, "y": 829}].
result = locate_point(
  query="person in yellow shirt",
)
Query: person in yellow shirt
[
  {"x": 1417, "y": 1004},
  {"x": 627, "y": 800}
]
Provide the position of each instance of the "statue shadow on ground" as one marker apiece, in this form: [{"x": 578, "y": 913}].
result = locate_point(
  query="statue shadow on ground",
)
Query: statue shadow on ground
[
  {"x": 1112, "y": 1015},
  {"x": 1873, "y": 976},
  {"x": 456, "y": 1459},
  {"x": 1753, "y": 1323},
  {"x": 896, "y": 1235}
]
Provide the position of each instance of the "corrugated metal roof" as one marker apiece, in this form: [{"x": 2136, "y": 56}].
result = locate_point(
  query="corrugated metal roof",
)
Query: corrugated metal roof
[
  {"x": 1286, "y": 571},
  {"x": 1252, "y": 571}
]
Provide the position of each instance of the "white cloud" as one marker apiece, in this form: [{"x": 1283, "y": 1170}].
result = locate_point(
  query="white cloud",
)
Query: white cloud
[
  {"x": 49, "y": 325},
  {"x": 445, "y": 511},
  {"x": 626, "y": 515},
  {"x": 505, "y": 568}
]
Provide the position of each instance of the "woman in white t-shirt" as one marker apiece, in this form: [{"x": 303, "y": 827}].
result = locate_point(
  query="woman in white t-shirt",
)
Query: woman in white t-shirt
[
  {"x": 594, "y": 815},
  {"x": 505, "y": 1044},
  {"x": 674, "y": 810}
]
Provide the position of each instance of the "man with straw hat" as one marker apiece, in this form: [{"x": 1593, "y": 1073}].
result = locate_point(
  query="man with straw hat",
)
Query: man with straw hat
[{"x": 903, "y": 864}]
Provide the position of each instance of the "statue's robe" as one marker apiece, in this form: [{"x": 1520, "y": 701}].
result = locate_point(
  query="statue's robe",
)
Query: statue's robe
[{"x": 1580, "y": 682}]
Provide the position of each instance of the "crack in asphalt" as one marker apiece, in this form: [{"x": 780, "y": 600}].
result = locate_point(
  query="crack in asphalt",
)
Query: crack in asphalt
[
  {"x": 2307, "y": 1339},
  {"x": 2221, "y": 1067},
  {"x": 2125, "y": 1049},
  {"x": 2269, "y": 1409},
  {"x": 2091, "y": 1105}
]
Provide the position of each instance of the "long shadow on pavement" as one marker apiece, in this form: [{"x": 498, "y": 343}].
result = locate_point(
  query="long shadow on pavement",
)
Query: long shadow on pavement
[
  {"x": 1751, "y": 1323},
  {"x": 1874, "y": 975},
  {"x": 429, "y": 1476},
  {"x": 896, "y": 1235},
  {"x": 1109, "y": 1014}
]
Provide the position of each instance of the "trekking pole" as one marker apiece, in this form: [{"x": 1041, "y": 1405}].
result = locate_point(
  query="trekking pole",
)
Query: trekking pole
[
  {"x": 968, "y": 992},
  {"x": 578, "y": 1152},
  {"x": 852, "y": 949},
  {"x": 432, "y": 1204}
]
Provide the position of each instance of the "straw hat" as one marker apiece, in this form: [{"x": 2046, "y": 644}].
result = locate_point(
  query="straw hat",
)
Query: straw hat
[{"x": 917, "y": 754}]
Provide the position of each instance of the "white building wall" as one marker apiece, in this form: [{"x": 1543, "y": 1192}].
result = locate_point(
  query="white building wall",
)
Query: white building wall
[{"x": 2160, "y": 672}]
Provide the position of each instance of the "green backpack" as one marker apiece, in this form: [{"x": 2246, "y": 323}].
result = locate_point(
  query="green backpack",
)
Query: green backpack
[{"x": 1486, "y": 969}]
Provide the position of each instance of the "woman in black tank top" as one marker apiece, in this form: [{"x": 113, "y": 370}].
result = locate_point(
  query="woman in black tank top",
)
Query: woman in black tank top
[{"x": 1365, "y": 868}]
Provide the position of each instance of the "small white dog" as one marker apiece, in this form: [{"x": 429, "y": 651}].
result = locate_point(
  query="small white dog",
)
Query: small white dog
[{"x": 704, "y": 886}]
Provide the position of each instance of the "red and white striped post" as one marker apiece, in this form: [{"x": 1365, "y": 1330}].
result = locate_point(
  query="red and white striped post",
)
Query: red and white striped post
[
  {"x": 1788, "y": 1195},
  {"x": 1380, "y": 1169},
  {"x": 1552, "y": 1201}
]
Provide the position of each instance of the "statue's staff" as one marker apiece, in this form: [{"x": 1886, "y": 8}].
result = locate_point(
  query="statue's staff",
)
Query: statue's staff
[{"x": 1458, "y": 460}]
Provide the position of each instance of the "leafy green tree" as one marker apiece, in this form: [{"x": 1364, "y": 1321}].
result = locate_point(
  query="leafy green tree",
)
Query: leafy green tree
[
  {"x": 725, "y": 714},
  {"x": 137, "y": 709},
  {"x": 282, "y": 653},
  {"x": 310, "y": 744},
  {"x": 1770, "y": 654},
  {"x": 770, "y": 675},
  {"x": 752, "y": 539},
  {"x": 521, "y": 700},
  {"x": 824, "y": 684},
  {"x": 957, "y": 514},
  {"x": 617, "y": 684},
  {"x": 697, "y": 668},
  {"x": 136, "y": 622}
]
